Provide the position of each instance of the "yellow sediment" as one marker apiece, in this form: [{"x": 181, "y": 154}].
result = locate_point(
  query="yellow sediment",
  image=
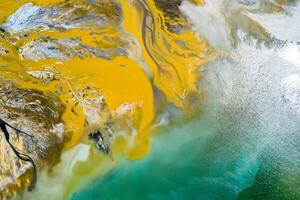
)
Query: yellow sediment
[
  {"x": 173, "y": 59},
  {"x": 169, "y": 61},
  {"x": 120, "y": 80}
]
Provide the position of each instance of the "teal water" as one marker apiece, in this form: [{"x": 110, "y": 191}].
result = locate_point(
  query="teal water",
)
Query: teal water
[
  {"x": 202, "y": 159},
  {"x": 187, "y": 161}
]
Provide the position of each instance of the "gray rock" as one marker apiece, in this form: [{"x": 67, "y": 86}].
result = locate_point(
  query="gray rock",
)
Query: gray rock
[
  {"x": 64, "y": 49},
  {"x": 30, "y": 17},
  {"x": 36, "y": 114}
]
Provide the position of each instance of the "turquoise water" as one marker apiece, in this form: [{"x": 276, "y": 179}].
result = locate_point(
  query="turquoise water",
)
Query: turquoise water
[
  {"x": 202, "y": 159},
  {"x": 187, "y": 161}
]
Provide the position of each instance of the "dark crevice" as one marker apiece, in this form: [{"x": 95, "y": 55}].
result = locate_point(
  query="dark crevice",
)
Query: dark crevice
[
  {"x": 101, "y": 144},
  {"x": 21, "y": 156}
]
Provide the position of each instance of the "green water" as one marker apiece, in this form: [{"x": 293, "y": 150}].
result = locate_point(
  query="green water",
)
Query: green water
[
  {"x": 209, "y": 158},
  {"x": 185, "y": 163},
  {"x": 227, "y": 153}
]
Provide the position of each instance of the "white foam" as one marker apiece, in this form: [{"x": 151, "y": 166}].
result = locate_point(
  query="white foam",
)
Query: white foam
[
  {"x": 255, "y": 90},
  {"x": 283, "y": 26},
  {"x": 209, "y": 22}
]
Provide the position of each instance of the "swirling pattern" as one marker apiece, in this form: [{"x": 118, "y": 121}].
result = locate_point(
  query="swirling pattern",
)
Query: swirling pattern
[{"x": 96, "y": 83}]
